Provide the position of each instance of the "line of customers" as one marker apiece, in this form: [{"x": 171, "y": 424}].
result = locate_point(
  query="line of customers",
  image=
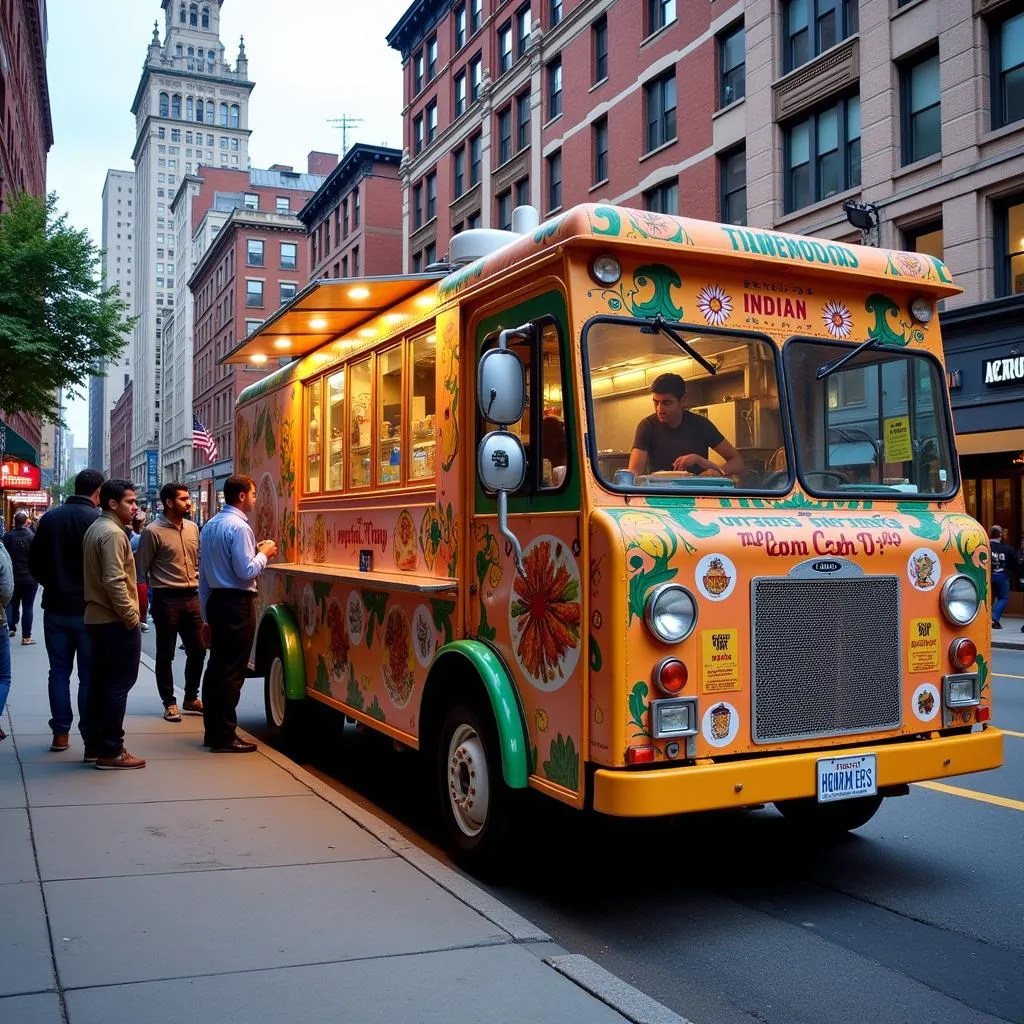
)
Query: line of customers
[{"x": 82, "y": 555}]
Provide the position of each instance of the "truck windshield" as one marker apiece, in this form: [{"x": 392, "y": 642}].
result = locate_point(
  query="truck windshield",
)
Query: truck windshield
[
  {"x": 675, "y": 408},
  {"x": 876, "y": 425}
]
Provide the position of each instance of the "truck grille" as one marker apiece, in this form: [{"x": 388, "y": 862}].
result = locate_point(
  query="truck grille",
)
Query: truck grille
[{"x": 827, "y": 657}]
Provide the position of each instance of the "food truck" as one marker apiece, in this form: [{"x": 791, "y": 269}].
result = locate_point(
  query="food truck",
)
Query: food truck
[{"x": 473, "y": 562}]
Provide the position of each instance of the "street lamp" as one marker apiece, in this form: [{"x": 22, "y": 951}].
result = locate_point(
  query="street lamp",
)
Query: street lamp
[{"x": 863, "y": 216}]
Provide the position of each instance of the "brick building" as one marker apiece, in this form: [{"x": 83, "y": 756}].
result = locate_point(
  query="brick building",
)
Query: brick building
[
  {"x": 355, "y": 219},
  {"x": 121, "y": 438},
  {"x": 257, "y": 262},
  {"x": 26, "y": 135}
]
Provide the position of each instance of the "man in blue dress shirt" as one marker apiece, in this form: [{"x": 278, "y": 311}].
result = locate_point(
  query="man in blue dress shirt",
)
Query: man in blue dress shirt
[{"x": 230, "y": 560}]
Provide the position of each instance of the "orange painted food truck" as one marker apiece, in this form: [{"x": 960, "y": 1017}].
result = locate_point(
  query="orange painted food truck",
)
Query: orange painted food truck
[{"x": 487, "y": 554}]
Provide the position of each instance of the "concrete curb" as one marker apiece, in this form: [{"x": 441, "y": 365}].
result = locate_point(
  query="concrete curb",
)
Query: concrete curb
[{"x": 581, "y": 970}]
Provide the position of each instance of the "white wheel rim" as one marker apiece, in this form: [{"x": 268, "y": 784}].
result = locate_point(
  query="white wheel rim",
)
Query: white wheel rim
[
  {"x": 275, "y": 691},
  {"x": 469, "y": 789}
]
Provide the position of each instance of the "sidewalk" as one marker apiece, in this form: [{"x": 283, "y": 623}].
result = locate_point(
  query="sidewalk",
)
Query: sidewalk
[
  {"x": 230, "y": 888},
  {"x": 1010, "y": 637}
]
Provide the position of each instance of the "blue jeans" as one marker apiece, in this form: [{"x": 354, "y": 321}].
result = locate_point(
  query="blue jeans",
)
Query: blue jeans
[
  {"x": 23, "y": 601},
  {"x": 66, "y": 637},
  {"x": 5, "y": 668},
  {"x": 1001, "y": 592}
]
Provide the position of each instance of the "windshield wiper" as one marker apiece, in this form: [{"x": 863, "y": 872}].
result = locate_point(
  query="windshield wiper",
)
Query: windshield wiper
[
  {"x": 826, "y": 368},
  {"x": 659, "y": 324}
]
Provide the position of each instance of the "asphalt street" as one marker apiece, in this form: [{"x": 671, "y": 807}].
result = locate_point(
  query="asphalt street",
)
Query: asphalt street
[{"x": 728, "y": 917}]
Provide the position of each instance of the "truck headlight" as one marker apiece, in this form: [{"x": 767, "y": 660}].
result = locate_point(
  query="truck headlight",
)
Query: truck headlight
[
  {"x": 670, "y": 613},
  {"x": 959, "y": 600}
]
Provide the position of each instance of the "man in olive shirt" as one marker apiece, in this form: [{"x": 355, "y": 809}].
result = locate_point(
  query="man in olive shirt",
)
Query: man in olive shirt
[
  {"x": 673, "y": 438},
  {"x": 168, "y": 551},
  {"x": 112, "y": 621}
]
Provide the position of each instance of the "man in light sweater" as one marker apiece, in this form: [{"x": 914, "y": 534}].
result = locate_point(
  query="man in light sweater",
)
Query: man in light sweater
[{"x": 112, "y": 620}]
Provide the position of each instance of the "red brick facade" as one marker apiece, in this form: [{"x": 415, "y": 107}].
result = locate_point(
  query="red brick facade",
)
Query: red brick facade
[
  {"x": 121, "y": 438},
  {"x": 235, "y": 283},
  {"x": 354, "y": 220}
]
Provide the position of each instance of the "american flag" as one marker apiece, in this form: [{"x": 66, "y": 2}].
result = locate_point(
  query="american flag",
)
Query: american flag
[{"x": 204, "y": 440}]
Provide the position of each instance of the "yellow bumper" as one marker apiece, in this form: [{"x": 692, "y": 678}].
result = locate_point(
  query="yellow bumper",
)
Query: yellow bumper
[{"x": 761, "y": 780}]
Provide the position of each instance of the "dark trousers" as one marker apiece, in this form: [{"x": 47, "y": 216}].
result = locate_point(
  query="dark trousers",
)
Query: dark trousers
[
  {"x": 177, "y": 613},
  {"x": 23, "y": 601},
  {"x": 67, "y": 640},
  {"x": 115, "y": 667},
  {"x": 231, "y": 615},
  {"x": 1001, "y": 592}
]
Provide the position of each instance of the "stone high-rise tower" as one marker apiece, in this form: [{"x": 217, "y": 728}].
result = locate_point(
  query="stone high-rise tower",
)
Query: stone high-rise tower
[{"x": 191, "y": 108}]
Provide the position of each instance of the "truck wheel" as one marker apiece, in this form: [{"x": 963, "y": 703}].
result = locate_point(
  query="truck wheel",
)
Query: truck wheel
[
  {"x": 283, "y": 714},
  {"x": 829, "y": 819},
  {"x": 473, "y": 796}
]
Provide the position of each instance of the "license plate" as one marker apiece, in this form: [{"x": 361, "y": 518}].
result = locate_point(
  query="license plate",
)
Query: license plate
[{"x": 844, "y": 778}]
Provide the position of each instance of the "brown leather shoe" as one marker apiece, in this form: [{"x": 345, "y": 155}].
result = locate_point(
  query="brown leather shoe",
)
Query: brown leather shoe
[
  {"x": 192, "y": 707},
  {"x": 236, "y": 746},
  {"x": 60, "y": 742},
  {"x": 123, "y": 760}
]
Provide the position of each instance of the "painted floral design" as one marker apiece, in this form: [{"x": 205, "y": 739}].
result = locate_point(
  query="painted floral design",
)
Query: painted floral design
[
  {"x": 910, "y": 264},
  {"x": 319, "y": 538},
  {"x": 266, "y": 522},
  {"x": 714, "y": 304},
  {"x": 244, "y": 445},
  {"x": 545, "y": 614},
  {"x": 838, "y": 319},
  {"x": 308, "y": 610},
  {"x": 398, "y": 669},
  {"x": 337, "y": 630}
]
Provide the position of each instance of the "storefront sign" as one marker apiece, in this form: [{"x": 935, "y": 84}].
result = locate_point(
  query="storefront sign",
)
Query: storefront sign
[
  {"x": 33, "y": 498},
  {"x": 1000, "y": 372},
  {"x": 18, "y": 475},
  {"x": 151, "y": 471}
]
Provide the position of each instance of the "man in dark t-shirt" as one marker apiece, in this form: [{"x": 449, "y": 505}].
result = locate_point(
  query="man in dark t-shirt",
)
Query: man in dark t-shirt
[{"x": 672, "y": 438}]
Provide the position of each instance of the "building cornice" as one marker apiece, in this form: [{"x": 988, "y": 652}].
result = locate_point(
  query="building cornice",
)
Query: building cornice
[
  {"x": 37, "y": 32},
  {"x": 357, "y": 164},
  {"x": 412, "y": 28}
]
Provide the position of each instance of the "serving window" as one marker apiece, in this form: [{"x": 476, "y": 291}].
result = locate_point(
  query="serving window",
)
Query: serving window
[
  {"x": 389, "y": 421},
  {"x": 336, "y": 431},
  {"x": 360, "y": 423},
  {"x": 313, "y": 453}
]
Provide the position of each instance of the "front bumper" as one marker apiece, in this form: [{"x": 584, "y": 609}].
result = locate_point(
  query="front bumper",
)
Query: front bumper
[{"x": 761, "y": 780}]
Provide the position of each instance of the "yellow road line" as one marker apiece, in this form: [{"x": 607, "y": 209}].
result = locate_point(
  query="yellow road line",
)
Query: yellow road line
[
  {"x": 1003, "y": 675},
  {"x": 988, "y": 798}
]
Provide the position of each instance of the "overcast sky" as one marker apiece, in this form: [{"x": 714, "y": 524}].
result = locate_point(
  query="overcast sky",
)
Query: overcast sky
[{"x": 311, "y": 60}]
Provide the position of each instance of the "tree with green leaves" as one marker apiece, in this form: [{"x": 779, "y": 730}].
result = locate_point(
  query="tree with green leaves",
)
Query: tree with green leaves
[{"x": 57, "y": 322}]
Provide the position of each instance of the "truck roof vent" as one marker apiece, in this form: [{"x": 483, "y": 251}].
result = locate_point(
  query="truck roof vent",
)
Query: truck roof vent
[{"x": 467, "y": 246}]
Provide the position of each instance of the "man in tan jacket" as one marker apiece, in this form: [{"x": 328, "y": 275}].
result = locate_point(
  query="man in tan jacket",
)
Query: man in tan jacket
[{"x": 112, "y": 621}]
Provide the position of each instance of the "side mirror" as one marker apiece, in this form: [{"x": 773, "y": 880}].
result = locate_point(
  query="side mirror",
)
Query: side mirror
[
  {"x": 501, "y": 386},
  {"x": 501, "y": 461}
]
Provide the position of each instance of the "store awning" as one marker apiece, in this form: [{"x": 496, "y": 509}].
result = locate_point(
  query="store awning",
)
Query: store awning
[{"x": 14, "y": 445}]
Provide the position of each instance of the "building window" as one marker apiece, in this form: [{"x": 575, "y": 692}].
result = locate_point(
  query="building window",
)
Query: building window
[
  {"x": 460, "y": 93},
  {"x": 505, "y": 48},
  {"x": 659, "y": 14},
  {"x": 254, "y": 293},
  {"x": 522, "y": 30},
  {"x": 176, "y": 107},
  {"x": 555, "y": 180},
  {"x": 223, "y": 115},
  {"x": 251, "y": 325},
  {"x": 431, "y": 121},
  {"x": 417, "y": 206},
  {"x": 355, "y": 261},
  {"x": 921, "y": 122},
  {"x": 504, "y": 135},
  {"x": 459, "y": 171},
  {"x": 165, "y": 104},
  {"x": 283, "y": 204},
  {"x": 288, "y": 290},
  {"x": 417, "y": 73},
  {"x": 289, "y": 255},
  {"x": 430, "y": 254},
  {"x": 1007, "y": 53},
  {"x": 254, "y": 253},
  {"x": 811, "y": 27},
  {"x": 733, "y": 185},
  {"x": 475, "y": 78},
  {"x": 555, "y": 88},
  {"x": 475, "y": 157},
  {"x": 431, "y": 195},
  {"x": 1009, "y": 223},
  {"x": 417, "y": 133},
  {"x": 477, "y": 18},
  {"x": 251, "y": 201},
  {"x": 460, "y": 26},
  {"x": 599, "y": 36},
  {"x": 505, "y": 210},
  {"x": 522, "y": 192},
  {"x": 926, "y": 239},
  {"x": 233, "y": 120},
  {"x": 660, "y": 104},
  {"x": 417, "y": 262},
  {"x": 522, "y": 121},
  {"x": 344, "y": 218},
  {"x": 432, "y": 59},
  {"x": 555, "y": 10},
  {"x": 663, "y": 198},
  {"x": 600, "y": 140},
  {"x": 822, "y": 154},
  {"x": 731, "y": 66},
  {"x": 355, "y": 207}
]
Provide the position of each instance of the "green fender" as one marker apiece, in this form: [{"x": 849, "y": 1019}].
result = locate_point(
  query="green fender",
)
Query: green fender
[
  {"x": 515, "y": 766},
  {"x": 291, "y": 650}
]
